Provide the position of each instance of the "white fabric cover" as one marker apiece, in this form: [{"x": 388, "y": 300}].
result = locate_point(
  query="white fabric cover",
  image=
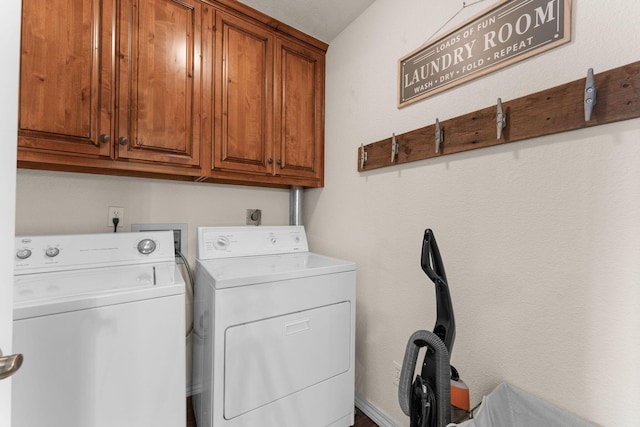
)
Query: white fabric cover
[{"x": 508, "y": 406}]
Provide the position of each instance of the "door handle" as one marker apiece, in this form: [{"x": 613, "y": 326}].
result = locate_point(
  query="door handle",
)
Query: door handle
[{"x": 9, "y": 364}]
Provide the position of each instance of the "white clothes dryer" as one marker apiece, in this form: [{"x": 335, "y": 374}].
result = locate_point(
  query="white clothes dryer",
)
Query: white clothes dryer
[
  {"x": 100, "y": 321},
  {"x": 274, "y": 331}
]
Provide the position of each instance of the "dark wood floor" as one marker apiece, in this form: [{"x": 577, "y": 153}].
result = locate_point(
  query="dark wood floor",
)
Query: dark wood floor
[{"x": 361, "y": 419}]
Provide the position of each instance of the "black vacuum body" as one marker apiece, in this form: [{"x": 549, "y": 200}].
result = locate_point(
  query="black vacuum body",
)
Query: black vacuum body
[{"x": 426, "y": 399}]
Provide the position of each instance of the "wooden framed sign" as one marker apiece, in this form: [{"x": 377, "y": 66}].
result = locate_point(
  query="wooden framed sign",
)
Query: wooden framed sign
[{"x": 503, "y": 34}]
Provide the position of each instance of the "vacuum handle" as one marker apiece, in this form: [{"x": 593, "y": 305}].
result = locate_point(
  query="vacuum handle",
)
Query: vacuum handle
[
  {"x": 431, "y": 261},
  {"x": 432, "y": 264}
]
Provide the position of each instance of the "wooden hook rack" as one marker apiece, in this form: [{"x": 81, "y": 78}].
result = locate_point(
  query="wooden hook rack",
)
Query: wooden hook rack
[{"x": 555, "y": 110}]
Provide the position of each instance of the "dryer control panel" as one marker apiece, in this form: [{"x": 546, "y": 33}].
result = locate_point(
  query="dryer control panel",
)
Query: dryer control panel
[{"x": 227, "y": 242}]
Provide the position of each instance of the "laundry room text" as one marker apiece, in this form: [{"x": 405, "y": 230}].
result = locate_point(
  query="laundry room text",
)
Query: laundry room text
[{"x": 502, "y": 35}]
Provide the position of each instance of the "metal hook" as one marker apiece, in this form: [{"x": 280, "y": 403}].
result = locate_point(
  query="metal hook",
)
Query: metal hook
[
  {"x": 363, "y": 156},
  {"x": 394, "y": 148},
  {"x": 439, "y": 136},
  {"x": 589, "y": 95},
  {"x": 501, "y": 119}
]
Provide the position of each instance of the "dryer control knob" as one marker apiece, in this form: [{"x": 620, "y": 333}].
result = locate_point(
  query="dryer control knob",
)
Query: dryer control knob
[
  {"x": 221, "y": 243},
  {"x": 146, "y": 246},
  {"x": 23, "y": 253}
]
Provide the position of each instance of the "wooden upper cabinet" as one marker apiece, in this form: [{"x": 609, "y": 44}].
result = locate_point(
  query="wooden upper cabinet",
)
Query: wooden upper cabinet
[
  {"x": 159, "y": 100},
  {"x": 181, "y": 89},
  {"x": 269, "y": 105},
  {"x": 299, "y": 111},
  {"x": 243, "y": 125},
  {"x": 65, "y": 77}
]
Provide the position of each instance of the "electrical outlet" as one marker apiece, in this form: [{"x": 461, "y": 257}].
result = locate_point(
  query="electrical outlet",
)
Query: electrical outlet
[
  {"x": 179, "y": 233},
  {"x": 397, "y": 368},
  {"x": 115, "y": 212},
  {"x": 254, "y": 216}
]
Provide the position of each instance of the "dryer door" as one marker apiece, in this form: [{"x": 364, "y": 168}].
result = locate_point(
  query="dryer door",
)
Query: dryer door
[{"x": 273, "y": 358}]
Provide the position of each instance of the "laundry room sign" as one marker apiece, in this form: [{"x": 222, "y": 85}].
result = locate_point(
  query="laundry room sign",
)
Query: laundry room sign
[{"x": 507, "y": 32}]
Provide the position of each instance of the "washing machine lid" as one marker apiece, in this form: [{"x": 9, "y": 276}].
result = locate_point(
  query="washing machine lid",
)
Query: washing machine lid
[
  {"x": 243, "y": 271},
  {"x": 63, "y": 291}
]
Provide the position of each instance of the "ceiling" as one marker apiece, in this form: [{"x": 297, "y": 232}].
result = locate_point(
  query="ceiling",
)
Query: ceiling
[{"x": 322, "y": 19}]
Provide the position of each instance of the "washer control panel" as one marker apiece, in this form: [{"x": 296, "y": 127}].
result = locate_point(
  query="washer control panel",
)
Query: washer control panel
[
  {"x": 34, "y": 254},
  {"x": 226, "y": 242}
]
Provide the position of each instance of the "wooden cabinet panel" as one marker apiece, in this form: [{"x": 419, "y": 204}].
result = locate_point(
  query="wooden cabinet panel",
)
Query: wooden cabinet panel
[
  {"x": 159, "y": 102},
  {"x": 244, "y": 96},
  {"x": 299, "y": 111},
  {"x": 65, "y": 82}
]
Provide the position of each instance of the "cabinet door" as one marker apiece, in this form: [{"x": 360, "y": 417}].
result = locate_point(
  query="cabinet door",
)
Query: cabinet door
[
  {"x": 299, "y": 111},
  {"x": 159, "y": 81},
  {"x": 243, "y": 132},
  {"x": 65, "y": 76}
]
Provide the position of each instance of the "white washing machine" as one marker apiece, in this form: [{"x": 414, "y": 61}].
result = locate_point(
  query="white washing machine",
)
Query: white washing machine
[
  {"x": 274, "y": 331},
  {"x": 100, "y": 321}
]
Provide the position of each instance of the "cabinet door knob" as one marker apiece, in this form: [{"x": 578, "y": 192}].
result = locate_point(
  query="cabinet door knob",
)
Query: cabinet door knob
[
  {"x": 104, "y": 138},
  {"x": 270, "y": 160},
  {"x": 123, "y": 140},
  {"x": 279, "y": 162}
]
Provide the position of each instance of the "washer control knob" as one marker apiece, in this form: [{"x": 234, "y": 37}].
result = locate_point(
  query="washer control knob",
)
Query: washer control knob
[
  {"x": 23, "y": 253},
  {"x": 146, "y": 246},
  {"x": 52, "y": 252}
]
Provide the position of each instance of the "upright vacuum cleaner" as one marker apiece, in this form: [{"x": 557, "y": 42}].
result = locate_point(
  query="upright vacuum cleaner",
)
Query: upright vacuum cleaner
[{"x": 427, "y": 400}]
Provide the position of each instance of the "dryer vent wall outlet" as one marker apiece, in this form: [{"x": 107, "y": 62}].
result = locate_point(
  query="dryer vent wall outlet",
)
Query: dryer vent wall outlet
[
  {"x": 254, "y": 216},
  {"x": 180, "y": 235}
]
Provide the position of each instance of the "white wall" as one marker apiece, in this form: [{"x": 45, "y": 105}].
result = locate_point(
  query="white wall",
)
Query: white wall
[
  {"x": 65, "y": 203},
  {"x": 540, "y": 238}
]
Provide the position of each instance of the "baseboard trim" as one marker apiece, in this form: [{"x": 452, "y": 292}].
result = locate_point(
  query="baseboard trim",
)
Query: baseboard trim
[{"x": 376, "y": 415}]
